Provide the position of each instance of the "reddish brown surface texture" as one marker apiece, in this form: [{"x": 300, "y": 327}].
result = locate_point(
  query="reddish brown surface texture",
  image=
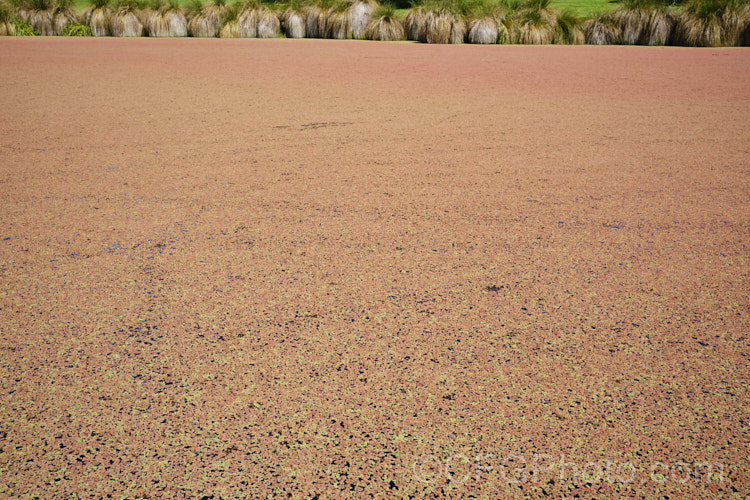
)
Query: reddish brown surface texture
[{"x": 240, "y": 268}]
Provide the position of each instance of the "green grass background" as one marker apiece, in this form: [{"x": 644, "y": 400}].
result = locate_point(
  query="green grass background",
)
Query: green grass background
[{"x": 584, "y": 7}]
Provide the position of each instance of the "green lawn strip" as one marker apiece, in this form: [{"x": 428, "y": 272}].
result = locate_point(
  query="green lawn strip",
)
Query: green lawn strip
[{"x": 584, "y": 7}]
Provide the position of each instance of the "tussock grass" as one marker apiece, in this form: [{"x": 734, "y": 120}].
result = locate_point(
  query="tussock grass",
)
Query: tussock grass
[
  {"x": 228, "y": 22},
  {"x": 98, "y": 16},
  {"x": 360, "y": 13},
  {"x": 535, "y": 28},
  {"x": 744, "y": 40},
  {"x": 338, "y": 25},
  {"x": 532, "y": 23},
  {"x": 64, "y": 15},
  {"x": 39, "y": 5},
  {"x": 315, "y": 21},
  {"x": 247, "y": 19},
  {"x": 483, "y": 31},
  {"x": 459, "y": 30},
  {"x": 384, "y": 25},
  {"x": 632, "y": 16},
  {"x": 7, "y": 20},
  {"x": 660, "y": 27},
  {"x": 293, "y": 20},
  {"x": 644, "y": 22},
  {"x": 602, "y": 30},
  {"x": 489, "y": 22},
  {"x": 47, "y": 17},
  {"x": 255, "y": 20},
  {"x": 204, "y": 20},
  {"x": 165, "y": 19},
  {"x": 6, "y": 13},
  {"x": 125, "y": 21},
  {"x": 712, "y": 23},
  {"x": 42, "y": 21},
  {"x": 436, "y": 27},
  {"x": 415, "y": 18},
  {"x": 269, "y": 25},
  {"x": 486, "y": 21},
  {"x": 440, "y": 21},
  {"x": 349, "y": 18},
  {"x": 569, "y": 28}
]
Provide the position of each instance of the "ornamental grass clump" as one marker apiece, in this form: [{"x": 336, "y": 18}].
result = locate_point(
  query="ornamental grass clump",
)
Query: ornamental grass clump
[
  {"x": 255, "y": 20},
  {"x": 47, "y": 17},
  {"x": 462, "y": 11},
  {"x": 39, "y": 14},
  {"x": 532, "y": 22},
  {"x": 293, "y": 20},
  {"x": 7, "y": 23},
  {"x": 441, "y": 21},
  {"x": 601, "y": 29},
  {"x": 338, "y": 23},
  {"x": 125, "y": 20},
  {"x": 413, "y": 21},
  {"x": 712, "y": 23},
  {"x": 63, "y": 15},
  {"x": 348, "y": 18},
  {"x": 247, "y": 19},
  {"x": 204, "y": 21},
  {"x": 436, "y": 27},
  {"x": 228, "y": 22},
  {"x": 316, "y": 16},
  {"x": 536, "y": 28},
  {"x": 384, "y": 26},
  {"x": 98, "y": 17},
  {"x": 486, "y": 23},
  {"x": 459, "y": 30},
  {"x": 293, "y": 23},
  {"x": 360, "y": 14},
  {"x": 744, "y": 40},
  {"x": 483, "y": 31},
  {"x": 269, "y": 24},
  {"x": 569, "y": 29},
  {"x": 644, "y": 22},
  {"x": 660, "y": 27},
  {"x": 632, "y": 16},
  {"x": 165, "y": 19}
]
